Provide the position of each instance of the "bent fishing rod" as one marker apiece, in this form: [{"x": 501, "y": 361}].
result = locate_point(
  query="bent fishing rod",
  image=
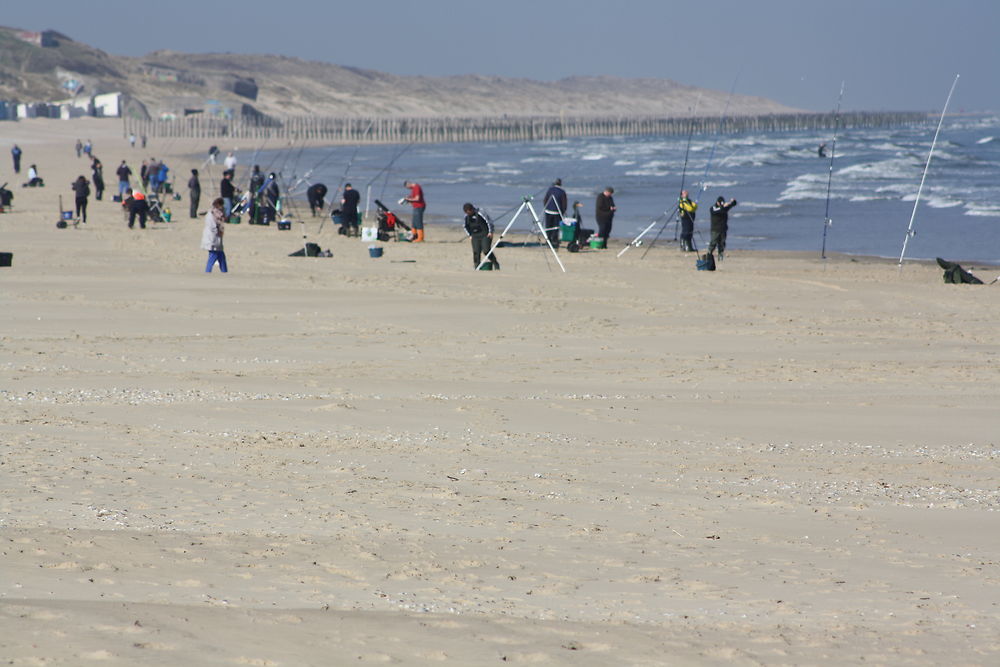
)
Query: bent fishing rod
[{"x": 827, "y": 221}]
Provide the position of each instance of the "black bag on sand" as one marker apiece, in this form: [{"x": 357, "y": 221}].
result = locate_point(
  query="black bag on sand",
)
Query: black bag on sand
[
  {"x": 955, "y": 274},
  {"x": 311, "y": 250},
  {"x": 706, "y": 262}
]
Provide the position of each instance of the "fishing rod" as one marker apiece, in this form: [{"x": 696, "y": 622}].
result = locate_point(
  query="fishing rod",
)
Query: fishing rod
[
  {"x": 347, "y": 170},
  {"x": 718, "y": 137},
  {"x": 673, "y": 215},
  {"x": 909, "y": 230},
  {"x": 637, "y": 240},
  {"x": 305, "y": 177},
  {"x": 827, "y": 221},
  {"x": 368, "y": 187}
]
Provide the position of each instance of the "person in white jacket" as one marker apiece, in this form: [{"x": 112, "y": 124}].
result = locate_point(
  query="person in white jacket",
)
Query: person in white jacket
[{"x": 211, "y": 238}]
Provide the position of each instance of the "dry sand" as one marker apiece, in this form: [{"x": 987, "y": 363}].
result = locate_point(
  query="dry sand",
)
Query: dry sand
[{"x": 351, "y": 460}]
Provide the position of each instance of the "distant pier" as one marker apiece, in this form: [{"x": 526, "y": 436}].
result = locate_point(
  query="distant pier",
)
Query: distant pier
[{"x": 400, "y": 130}]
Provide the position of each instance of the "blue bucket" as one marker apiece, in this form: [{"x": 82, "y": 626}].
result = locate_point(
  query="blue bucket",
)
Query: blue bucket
[
  {"x": 67, "y": 215},
  {"x": 375, "y": 251}
]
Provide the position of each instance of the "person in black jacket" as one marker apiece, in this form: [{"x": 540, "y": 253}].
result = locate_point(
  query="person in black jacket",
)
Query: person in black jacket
[
  {"x": 554, "y": 207},
  {"x": 82, "y": 190},
  {"x": 269, "y": 199},
  {"x": 137, "y": 207},
  {"x": 194, "y": 192},
  {"x": 720, "y": 225},
  {"x": 605, "y": 213},
  {"x": 349, "y": 210},
  {"x": 98, "y": 178},
  {"x": 227, "y": 191},
  {"x": 315, "y": 194},
  {"x": 124, "y": 178},
  {"x": 480, "y": 230}
]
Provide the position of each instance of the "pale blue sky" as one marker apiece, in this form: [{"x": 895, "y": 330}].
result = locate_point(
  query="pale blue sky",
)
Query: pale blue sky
[{"x": 893, "y": 54}]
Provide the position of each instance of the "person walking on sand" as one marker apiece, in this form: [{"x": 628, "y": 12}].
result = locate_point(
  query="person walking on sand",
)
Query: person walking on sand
[
  {"x": 686, "y": 209},
  {"x": 480, "y": 230},
  {"x": 79, "y": 147},
  {"x": 720, "y": 225},
  {"x": 554, "y": 206},
  {"x": 124, "y": 178},
  {"x": 15, "y": 153},
  {"x": 416, "y": 200},
  {"x": 605, "y": 213},
  {"x": 211, "y": 237},
  {"x": 194, "y": 192},
  {"x": 82, "y": 190}
]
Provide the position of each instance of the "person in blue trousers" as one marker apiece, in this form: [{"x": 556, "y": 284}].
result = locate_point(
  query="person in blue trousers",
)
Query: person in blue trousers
[{"x": 211, "y": 238}]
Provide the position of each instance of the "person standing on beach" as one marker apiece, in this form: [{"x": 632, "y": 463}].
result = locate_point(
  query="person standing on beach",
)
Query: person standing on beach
[
  {"x": 686, "y": 209},
  {"x": 554, "y": 206},
  {"x": 15, "y": 153},
  {"x": 143, "y": 141},
  {"x": 98, "y": 177},
  {"x": 480, "y": 231},
  {"x": 144, "y": 174},
  {"x": 349, "y": 209},
  {"x": 124, "y": 177},
  {"x": 230, "y": 162},
  {"x": 416, "y": 200},
  {"x": 211, "y": 237},
  {"x": 720, "y": 225},
  {"x": 194, "y": 192},
  {"x": 227, "y": 191},
  {"x": 79, "y": 147},
  {"x": 82, "y": 190},
  {"x": 131, "y": 139},
  {"x": 605, "y": 213},
  {"x": 88, "y": 147}
]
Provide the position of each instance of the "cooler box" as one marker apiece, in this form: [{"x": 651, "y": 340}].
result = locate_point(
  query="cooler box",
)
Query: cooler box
[{"x": 567, "y": 230}]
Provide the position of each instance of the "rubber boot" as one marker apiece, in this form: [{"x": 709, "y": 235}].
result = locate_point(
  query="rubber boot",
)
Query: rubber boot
[{"x": 418, "y": 236}]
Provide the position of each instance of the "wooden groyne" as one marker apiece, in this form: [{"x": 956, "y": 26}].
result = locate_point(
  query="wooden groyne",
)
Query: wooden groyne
[{"x": 501, "y": 128}]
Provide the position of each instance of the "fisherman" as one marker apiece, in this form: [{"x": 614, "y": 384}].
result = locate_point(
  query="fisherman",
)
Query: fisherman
[
  {"x": 821, "y": 151},
  {"x": 15, "y": 153},
  {"x": 82, "y": 190},
  {"x": 686, "y": 209},
  {"x": 480, "y": 230},
  {"x": 79, "y": 147},
  {"x": 349, "y": 210},
  {"x": 230, "y": 162},
  {"x": 194, "y": 192},
  {"x": 256, "y": 183},
  {"x": 720, "y": 225},
  {"x": 269, "y": 200},
  {"x": 138, "y": 207},
  {"x": 98, "y": 178},
  {"x": 34, "y": 180},
  {"x": 227, "y": 191},
  {"x": 316, "y": 196},
  {"x": 554, "y": 206},
  {"x": 416, "y": 200},
  {"x": 605, "y": 213},
  {"x": 124, "y": 174},
  {"x": 144, "y": 174},
  {"x": 213, "y": 153},
  {"x": 131, "y": 139}
]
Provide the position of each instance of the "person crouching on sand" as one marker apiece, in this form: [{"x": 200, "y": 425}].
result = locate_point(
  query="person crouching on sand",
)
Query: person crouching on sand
[{"x": 211, "y": 238}]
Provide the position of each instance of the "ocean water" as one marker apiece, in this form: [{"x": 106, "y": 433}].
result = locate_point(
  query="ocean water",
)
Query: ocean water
[{"x": 779, "y": 180}]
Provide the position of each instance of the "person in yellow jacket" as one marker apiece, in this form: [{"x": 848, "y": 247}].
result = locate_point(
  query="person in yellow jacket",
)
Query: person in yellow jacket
[{"x": 686, "y": 209}]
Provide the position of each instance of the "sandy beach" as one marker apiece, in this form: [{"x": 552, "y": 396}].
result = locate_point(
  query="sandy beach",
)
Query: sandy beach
[{"x": 348, "y": 460}]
